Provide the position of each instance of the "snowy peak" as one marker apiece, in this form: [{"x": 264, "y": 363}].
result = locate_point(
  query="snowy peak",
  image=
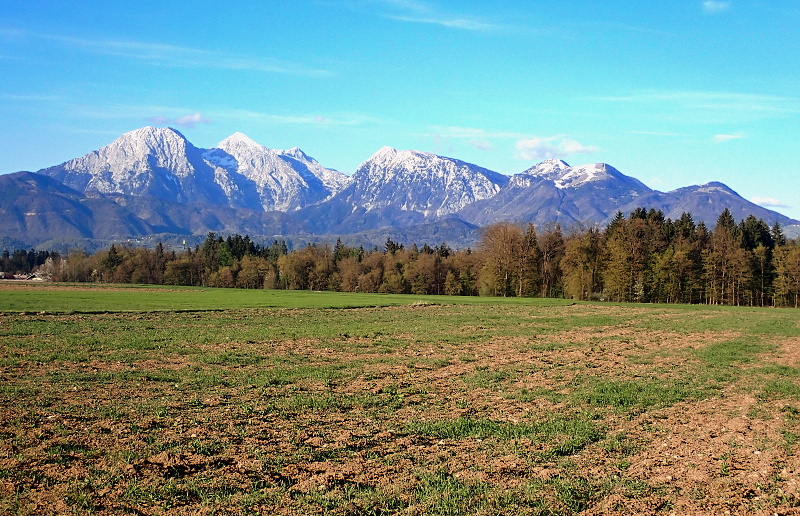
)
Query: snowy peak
[
  {"x": 389, "y": 162},
  {"x": 148, "y": 161},
  {"x": 153, "y": 134},
  {"x": 384, "y": 154},
  {"x": 548, "y": 169},
  {"x": 283, "y": 180},
  {"x": 168, "y": 145},
  {"x": 579, "y": 176},
  {"x": 238, "y": 140},
  {"x": 713, "y": 188},
  {"x": 240, "y": 173},
  {"x": 421, "y": 182},
  {"x": 296, "y": 153},
  {"x": 332, "y": 180},
  {"x": 565, "y": 176}
]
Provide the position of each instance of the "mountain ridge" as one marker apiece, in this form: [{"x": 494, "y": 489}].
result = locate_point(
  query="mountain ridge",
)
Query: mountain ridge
[{"x": 154, "y": 181}]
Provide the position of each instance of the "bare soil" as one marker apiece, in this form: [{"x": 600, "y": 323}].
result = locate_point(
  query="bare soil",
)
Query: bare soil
[{"x": 118, "y": 438}]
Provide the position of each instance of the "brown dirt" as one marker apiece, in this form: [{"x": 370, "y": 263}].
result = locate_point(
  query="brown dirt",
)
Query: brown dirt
[{"x": 722, "y": 455}]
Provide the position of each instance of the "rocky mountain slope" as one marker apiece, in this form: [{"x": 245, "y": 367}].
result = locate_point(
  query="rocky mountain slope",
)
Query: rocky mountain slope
[
  {"x": 239, "y": 173},
  {"x": 153, "y": 181}
]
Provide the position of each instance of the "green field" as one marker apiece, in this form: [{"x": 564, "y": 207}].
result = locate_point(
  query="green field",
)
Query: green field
[
  {"x": 141, "y": 400},
  {"x": 76, "y": 298}
]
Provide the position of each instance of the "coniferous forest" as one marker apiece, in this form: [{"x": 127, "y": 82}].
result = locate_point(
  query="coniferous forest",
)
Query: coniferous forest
[{"x": 639, "y": 258}]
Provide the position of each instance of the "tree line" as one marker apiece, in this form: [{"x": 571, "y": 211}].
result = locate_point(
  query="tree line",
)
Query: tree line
[
  {"x": 22, "y": 261},
  {"x": 642, "y": 257}
]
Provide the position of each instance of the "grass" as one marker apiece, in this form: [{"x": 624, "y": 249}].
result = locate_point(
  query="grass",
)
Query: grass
[
  {"x": 639, "y": 394},
  {"x": 566, "y": 435},
  {"x": 103, "y": 298},
  {"x": 233, "y": 401}
]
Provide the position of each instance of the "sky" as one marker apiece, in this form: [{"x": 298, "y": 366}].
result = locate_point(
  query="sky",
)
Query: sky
[{"x": 672, "y": 93}]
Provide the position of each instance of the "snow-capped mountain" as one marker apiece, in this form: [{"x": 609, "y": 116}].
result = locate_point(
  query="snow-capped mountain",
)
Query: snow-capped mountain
[
  {"x": 420, "y": 182},
  {"x": 239, "y": 173},
  {"x": 283, "y": 180},
  {"x": 154, "y": 181},
  {"x": 331, "y": 179},
  {"x": 146, "y": 162},
  {"x": 553, "y": 191},
  {"x": 550, "y": 169},
  {"x": 565, "y": 176}
]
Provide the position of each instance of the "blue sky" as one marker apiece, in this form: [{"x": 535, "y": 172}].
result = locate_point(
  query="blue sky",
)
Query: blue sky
[{"x": 672, "y": 93}]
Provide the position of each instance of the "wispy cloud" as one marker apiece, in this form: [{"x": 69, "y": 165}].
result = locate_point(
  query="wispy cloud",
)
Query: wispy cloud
[
  {"x": 481, "y": 145},
  {"x": 187, "y": 121},
  {"x": 29, "y": 97},
  {"x": 714, "y": 7},
  {"x": 346, "y": 119},
  {"x": 722, "y": 138},
  {"x": 709, "y": 106},
  {"x": 527, "y": 146},
  {"x": 423, "y": 12},
  {"x": 660, "y": 133},
  {"x": 711, "y": 99},
  {"x": 177, "y": 56},
  {"x": 474, "y": 133},
  {"x": 769, "y": 202},
  {"x": 550, "y": 147}
]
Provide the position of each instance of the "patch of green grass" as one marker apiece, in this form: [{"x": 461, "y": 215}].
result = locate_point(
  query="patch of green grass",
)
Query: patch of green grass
[
  {"x": 732, "y": 352},
  {"x": 526, "y": 395},
  {"x": 573, "y": 492},
  {"x": 486, "y": 378},
  {"x": 206, "y": 447},
  {"x": 463, "y": 428},
  {"x": 235, "y": 358},
  {"x": 780, "y": 388},
  {"x": 299, "y": 402},
  {"x": 569, "y": 435},
  {"x": 779, "y": 370},
  {"x": 440, "y": 493},
  {"x": 328, "y": 374},
  {"x": 355, "y": 499},
  {"x": 316, "y": 402},
  {"x": 621, "y": 445},
  {"x": 640, "y": 394}
]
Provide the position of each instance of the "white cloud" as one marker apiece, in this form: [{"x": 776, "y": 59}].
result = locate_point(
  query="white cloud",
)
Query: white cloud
[
  {"x": 528, "y": 147},
  {"x": 161, "y": 54},
  {"x": 722, "y": 138},
  {"x": 659, "y": 133},
  {"x": 188, "y": 121},
  {"x": 191, "y": 120},
  {"x": 482, "y": 145},
  {"x": 473, "y": 133},
  {"x": 342, "y": 119},
  {"x": 160, "y": 120},
  {"x": 458, "y": 132},
  {"x": 769, "y": 202},
  {"x": 550, "y": 148},
  {"x": 714, "y": 7},
  {"x": 698, "y": 107},
  {"x": 422, "y": 12}
]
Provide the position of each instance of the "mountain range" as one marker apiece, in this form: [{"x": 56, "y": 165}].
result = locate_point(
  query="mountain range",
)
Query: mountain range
[{"x": 153, "y": 184}]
